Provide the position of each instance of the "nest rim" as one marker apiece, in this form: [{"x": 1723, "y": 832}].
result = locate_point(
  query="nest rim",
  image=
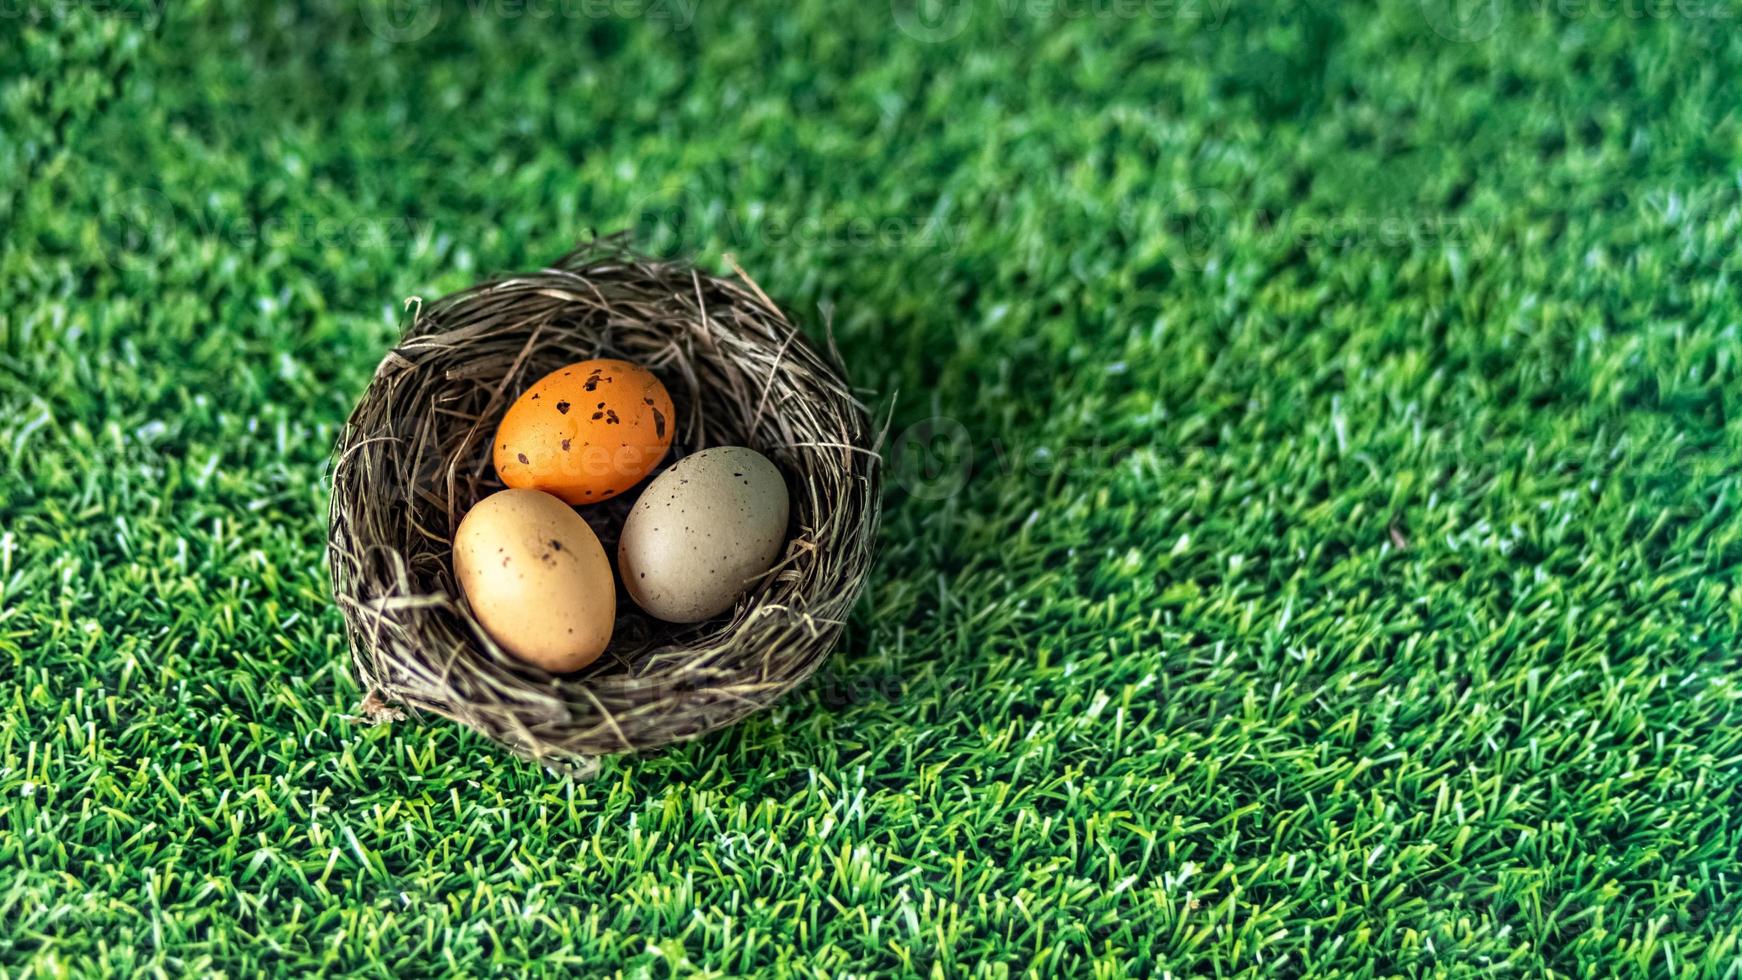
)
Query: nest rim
[{"x": 413, "y": 457}]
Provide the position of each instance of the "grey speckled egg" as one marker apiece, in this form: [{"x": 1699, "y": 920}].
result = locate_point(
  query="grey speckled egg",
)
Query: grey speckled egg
[{"x": 702, "y": 532}]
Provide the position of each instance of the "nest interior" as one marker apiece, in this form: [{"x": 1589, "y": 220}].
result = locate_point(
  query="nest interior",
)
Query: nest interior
[{"x": 416, "y": 455}]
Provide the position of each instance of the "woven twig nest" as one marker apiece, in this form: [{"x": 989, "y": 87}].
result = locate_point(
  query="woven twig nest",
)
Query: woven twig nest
[{"x": 415, "y": 457}]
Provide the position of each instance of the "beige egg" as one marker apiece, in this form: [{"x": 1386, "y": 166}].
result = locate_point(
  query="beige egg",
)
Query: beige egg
[
  {"x": 702, "y": 532},
  {"x": 537, "y": 579}
]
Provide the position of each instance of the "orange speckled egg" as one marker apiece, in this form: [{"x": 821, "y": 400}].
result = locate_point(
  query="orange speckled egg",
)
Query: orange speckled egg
[{"x": 586, "y": 432}]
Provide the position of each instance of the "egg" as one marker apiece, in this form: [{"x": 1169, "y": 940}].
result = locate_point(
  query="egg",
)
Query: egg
[
  {"x": 537, "y": 578},
  {"x": 585, "y": 432},
  {"x": 702, "y": 532}
]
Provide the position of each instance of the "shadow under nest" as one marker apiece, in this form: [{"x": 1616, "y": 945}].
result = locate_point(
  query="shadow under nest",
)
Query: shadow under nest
[{"x": 415, "y": 456}]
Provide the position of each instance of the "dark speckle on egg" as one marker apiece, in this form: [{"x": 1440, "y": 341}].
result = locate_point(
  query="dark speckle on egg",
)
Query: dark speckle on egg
[{"x": 522, "y": 458}]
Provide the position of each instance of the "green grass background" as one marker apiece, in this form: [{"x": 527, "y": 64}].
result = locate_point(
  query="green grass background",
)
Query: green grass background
[{"x": 1324, "y": 555}]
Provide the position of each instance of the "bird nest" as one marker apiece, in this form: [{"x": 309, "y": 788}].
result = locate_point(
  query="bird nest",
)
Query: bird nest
[{"x": 415, "y": 456}]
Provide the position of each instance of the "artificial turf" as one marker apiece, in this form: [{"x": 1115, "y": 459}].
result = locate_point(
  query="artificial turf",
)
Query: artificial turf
[{"x": 1311, "y": 541}]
